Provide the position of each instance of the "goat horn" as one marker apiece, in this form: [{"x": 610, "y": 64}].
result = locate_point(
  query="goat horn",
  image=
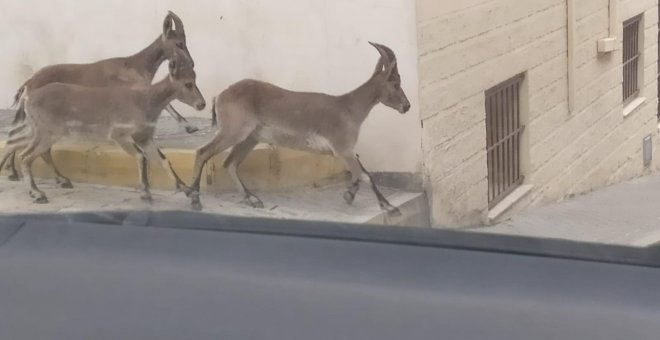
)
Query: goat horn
[
  {"x": 177, "y": 21},
  {"x": 387, "y": 58},
  {"x": 381, "y": 50}
]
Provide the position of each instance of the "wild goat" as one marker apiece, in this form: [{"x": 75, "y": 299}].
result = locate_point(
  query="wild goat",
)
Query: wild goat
[
  {"x": 123, "y": 114},
  {"x": 251, "y": 111},
  {"x": 138, "y": 70}
]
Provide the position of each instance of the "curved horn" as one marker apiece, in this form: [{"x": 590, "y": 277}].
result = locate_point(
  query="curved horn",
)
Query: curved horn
[
  {"x": 388, "y": 59},
  {"x": 167, "y": 26},
  {"x": 383, "y": 53},
  {"x": 177, "y": 21}
]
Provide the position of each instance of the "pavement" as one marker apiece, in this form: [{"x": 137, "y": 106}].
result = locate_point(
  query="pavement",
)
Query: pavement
[
  {"x": 624, "y": 214},
  {"x": 310, "y": 204}
]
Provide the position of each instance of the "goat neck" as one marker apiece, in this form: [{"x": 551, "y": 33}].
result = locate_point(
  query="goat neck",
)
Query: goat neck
[
  {"x": 362, "y": 100},
  {"x": 149, "y": 59},
  {"x": 160, "y": 95}
]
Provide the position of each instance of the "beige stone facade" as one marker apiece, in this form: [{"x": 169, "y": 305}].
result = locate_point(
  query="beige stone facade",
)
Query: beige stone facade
[{"x": 576, "y": 138}]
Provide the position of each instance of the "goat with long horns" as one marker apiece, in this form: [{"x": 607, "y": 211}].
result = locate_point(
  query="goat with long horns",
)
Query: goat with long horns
[{"x": 251, "y": 111}]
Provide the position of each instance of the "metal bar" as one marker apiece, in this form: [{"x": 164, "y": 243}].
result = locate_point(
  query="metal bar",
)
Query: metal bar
[
  {"x": 502, "y": 168},
  {"x": 516, "y": 127},
  {"x": 518, "y": 131},
  {"x": 498, "y": 153},
  {"x": 505, "y": 146},
  {"x": 509, "y": 128},
  {"x": 489, "y": 141},
  {"x": 512, "y": 128}
]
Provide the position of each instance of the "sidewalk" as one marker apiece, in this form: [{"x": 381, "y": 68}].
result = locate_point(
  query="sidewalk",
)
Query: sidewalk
[
  {"x": 625, "y": 214},
  {"x": 311, "y": 204}
]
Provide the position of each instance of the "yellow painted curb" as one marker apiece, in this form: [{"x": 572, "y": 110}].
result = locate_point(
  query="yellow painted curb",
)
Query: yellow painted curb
[{"x": 265, "y": 169}]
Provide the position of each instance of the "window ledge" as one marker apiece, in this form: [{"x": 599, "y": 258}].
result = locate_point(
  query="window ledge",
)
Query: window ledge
[
  {"x": 633, "y": 106},
  {"x": 508, "y": 203}
]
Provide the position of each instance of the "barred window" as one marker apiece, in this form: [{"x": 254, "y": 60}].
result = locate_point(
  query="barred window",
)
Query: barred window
[
  {"x": 503, "y": 130},
  {"x": 631, "y": 55}
]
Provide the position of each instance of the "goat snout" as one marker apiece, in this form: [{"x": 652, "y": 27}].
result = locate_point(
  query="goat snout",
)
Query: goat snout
[
  {"x": 201, "y": 106},
  {"x": 405, "y": 108}
]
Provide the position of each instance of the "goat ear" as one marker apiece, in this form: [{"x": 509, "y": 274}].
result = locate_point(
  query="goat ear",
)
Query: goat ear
[
  {"x": 379, "y": 67},
  {"x": 392, "y": 69},
  {"x": 168, "y": 27}
]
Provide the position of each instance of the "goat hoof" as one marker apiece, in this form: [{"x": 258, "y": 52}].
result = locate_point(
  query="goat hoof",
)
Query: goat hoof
[
  {"x": 66, "y": 185},
  {"x": 147, "y": 198},
  {"x": 187, "y": 191},
  {"x": 394, "y": 212},
  {"x": 193, "y": 194},
  {"x": 191, "y": 129},
  {"x": 41, "y": 200},
  {"x": 253, "y": 202},
  {"x": 349, "y": 198},
  {"x": 13, "y": 178},
  {"x": 197, "y": 206}
]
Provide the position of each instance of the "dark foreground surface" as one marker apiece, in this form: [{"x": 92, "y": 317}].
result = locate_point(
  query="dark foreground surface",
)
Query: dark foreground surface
[{"x": 189, "y": 276}]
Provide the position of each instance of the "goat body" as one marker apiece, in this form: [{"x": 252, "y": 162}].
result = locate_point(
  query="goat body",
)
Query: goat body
[
  {"x": 135, "y": 70},
  {"x": 252, "y": 111},
  {"x": 125, "y": 115}
]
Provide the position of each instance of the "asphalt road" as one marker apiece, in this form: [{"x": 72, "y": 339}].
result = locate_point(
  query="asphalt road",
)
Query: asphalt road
[{"x": 74, "y": 280}]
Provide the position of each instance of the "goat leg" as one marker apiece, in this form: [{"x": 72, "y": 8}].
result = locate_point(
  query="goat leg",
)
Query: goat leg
[
  {"x": 61, "y": 180},
  {"x": 359, "y": 173},
  {"x": 129, "y": 146},
  {"x": 11, "y": 166},
  {"x": 222, "y": 141},
  {"x": 153, "y": 153},
  {"x": 34, "y": 149},
  {"x": 382, "y": 201},
  {"x": 233, "y": 161},
  {"x": 181, "y": 120}
]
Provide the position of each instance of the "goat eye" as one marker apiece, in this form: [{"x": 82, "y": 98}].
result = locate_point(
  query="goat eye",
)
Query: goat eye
[
  {"x": 189, "y": 85},
  {"x": 179, "y": 45}
]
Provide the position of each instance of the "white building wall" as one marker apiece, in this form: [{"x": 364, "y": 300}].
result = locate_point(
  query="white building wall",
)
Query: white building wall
[{"x": 309, "y": 45}]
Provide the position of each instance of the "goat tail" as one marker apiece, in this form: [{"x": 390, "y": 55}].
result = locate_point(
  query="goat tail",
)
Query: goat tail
[
  {"x": 5, "y": 158},
  {"x": 20, "y": 114},
  {"x": 15, "y": 142},
  {"x": 15, "y": 130},
  {"x": 19, "y": 94},
  {"x": 214, "y": 113},
  {"x": 19, "y": 117}
]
